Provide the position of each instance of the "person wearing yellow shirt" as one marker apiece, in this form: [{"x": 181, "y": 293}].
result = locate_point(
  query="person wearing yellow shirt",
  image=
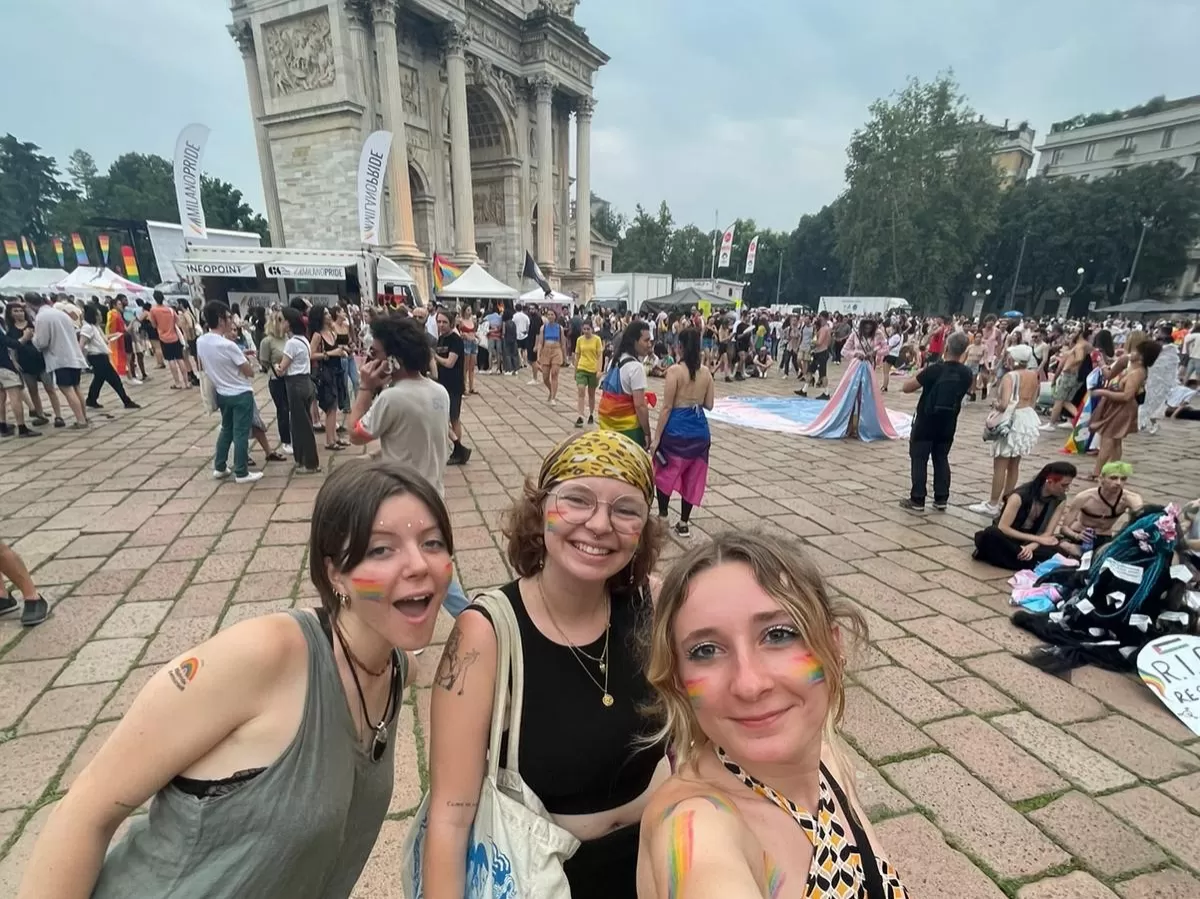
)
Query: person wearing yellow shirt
[{"x": 588, "y": 349}]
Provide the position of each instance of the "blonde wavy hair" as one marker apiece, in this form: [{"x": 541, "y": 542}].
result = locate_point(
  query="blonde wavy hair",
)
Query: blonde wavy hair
[
  {"x": 830, "y": 629},
  {"x": 276, "y": 326}
]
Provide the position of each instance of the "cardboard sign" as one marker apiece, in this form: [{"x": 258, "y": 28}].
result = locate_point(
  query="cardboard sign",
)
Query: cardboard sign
[{"x": 1170, "y": 666}]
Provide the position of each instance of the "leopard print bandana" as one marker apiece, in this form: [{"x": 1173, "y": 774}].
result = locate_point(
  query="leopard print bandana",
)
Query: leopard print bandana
[{"x": 599, "y": 454}]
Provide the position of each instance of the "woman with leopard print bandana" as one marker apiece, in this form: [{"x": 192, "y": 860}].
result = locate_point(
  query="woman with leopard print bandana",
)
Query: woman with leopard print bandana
[{"x": 582, "y": 542}]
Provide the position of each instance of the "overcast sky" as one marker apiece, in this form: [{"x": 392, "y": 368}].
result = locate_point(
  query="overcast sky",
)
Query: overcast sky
[{"x": 742, "y": 106}]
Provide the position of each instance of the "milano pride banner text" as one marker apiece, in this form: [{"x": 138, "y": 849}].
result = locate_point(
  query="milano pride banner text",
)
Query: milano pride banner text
[
  {"x": 372, "y": 166},
  {"x": 189, "y": 150}
]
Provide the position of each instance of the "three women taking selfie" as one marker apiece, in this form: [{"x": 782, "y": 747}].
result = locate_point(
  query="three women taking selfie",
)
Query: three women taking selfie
[{"x": 268, "y": 750}]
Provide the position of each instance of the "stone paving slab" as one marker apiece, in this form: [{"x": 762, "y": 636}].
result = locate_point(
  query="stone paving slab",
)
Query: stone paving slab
[{"x": 986, "y": 778}]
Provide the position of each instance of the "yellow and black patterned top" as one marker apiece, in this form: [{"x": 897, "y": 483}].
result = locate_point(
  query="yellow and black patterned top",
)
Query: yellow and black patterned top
[{"x": 837, "y": 870}]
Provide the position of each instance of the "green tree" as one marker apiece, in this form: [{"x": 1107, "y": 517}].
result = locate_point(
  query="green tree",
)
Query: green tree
[
  {"x": 645, "y": 244},
  {"x": 690, "y": 253},
  {"x": 225, "y": 208},
  {"x": 137, "y": 186},
  {"x": 81, "y": 168},
  {"x": 812, "y": 268},
  {"x": 922, "y": 194},
  {"x": 29, "y": 190}
]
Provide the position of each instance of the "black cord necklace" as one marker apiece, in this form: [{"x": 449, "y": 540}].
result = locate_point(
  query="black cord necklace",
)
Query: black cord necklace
[{"x": 379, "y": 744}]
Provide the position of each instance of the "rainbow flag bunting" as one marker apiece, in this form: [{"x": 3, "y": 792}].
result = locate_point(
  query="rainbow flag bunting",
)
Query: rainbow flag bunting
[
  {"x": 58, "y": 251},
  {"x": 81, "y": 256},
  {"x": 444, "y": 271},
  {"x": 25, "y": 250},
  {"x": 14, "y": 255},
  {"x": 104, "y": 244},
  {"x": 131, "y": 269}
]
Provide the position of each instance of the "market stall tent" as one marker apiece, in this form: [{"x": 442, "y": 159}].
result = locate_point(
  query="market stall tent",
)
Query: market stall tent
[
  {"x": 476, "y": 284},
  {"x": 18, "y": 280},
  {"x": 91, "y": 280},
  {"x": 537, "y": 295},
  {"x": 686, "y": 299}
]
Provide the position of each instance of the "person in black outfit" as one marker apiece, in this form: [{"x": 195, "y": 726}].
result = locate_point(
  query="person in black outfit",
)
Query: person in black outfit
[
  {"x": 449, "y": 355},
  {"x": 1025, "y": 533},
  {"x": 943, "y": 386}
]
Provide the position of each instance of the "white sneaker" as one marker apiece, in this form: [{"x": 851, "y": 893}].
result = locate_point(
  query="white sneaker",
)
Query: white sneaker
[
  {"x": 1065, "y": 426},
  {"x": 220, "y": 475},
  {"x": 285, "y": 448},
  {"x": 249, "y": 477},
  {"x": 531, "y": 382},
  {"x": 136, "y": 381},
  {"x": 1048, "y": 426},
  {"x": 985, "y": 508}
]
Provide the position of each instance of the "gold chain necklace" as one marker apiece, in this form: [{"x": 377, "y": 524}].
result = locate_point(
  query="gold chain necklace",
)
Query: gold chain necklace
[{"x": 605, "y": 697}]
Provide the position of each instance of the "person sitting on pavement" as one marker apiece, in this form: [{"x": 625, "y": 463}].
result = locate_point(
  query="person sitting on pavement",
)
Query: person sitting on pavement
[
  {"x": 1092, "y": 515},
  {"x": 1023, "y": 535}
]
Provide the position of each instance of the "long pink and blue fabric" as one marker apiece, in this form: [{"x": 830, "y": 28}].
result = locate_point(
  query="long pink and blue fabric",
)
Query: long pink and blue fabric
[
  {"x": 685, "y": 444},
  {"x": 873, "y": 422}
]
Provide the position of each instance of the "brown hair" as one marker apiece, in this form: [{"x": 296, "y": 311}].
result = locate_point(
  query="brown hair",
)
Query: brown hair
[
  {"x": 343, "y": 517},
  {"x": 782, "y": 569},
  {"x": 524, "y": 528}
]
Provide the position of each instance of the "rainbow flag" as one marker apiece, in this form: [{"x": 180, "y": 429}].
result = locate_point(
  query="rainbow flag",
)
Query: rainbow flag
[
  {"x": 616, "y": 411},
  {"x": 81, "y": 256},
  {"x": 131, "y": 269},
  {"x": 25, "y": 250},
  {"x": 444, "y": 271},
  {"x": 14, "y": 255},
  {"x": 58, "y": 251},
  {"x": 104, "y": 244}
]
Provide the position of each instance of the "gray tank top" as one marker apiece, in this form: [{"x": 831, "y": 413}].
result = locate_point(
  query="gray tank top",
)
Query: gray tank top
[{"x": 302, "y": 829}]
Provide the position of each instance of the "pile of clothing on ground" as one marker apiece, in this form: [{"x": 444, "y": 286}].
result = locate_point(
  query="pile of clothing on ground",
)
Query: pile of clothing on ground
[{"x": 1102, "y": 609}]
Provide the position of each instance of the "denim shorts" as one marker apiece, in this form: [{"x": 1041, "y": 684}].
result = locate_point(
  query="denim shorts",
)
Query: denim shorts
[{"x": 470, "y": 348}]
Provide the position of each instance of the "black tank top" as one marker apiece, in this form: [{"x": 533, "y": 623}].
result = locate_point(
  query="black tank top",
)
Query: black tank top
[{"x": 577, "y": 755}]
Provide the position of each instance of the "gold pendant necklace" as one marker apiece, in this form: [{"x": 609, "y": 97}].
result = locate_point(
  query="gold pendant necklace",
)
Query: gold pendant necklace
[{"x": 606, "y": 698}]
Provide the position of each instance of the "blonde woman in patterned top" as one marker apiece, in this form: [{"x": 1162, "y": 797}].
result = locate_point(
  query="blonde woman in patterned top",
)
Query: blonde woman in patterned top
[{"x": 747, "y": 656}]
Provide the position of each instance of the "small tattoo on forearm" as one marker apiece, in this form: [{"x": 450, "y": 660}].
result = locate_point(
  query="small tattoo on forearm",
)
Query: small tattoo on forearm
[
  {"x": 452, "y": 669},
  {"x": 184, "y": 673},
  {"x": 125, "y": 805},
  {"x": 456, "y": 804}
]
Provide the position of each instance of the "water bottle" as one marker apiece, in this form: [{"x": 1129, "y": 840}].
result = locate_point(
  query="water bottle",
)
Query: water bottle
[{"x": 1089, "y": 539}]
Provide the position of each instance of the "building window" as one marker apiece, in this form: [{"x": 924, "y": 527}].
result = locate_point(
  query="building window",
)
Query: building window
[
  {"x": 1091, "y": 152},
  {"x": 1128, "y": 144},
  {"x": 1056, "y": 157},
  {"x": 602, "y": 261},
  {"x": 1168, "y": 138}
]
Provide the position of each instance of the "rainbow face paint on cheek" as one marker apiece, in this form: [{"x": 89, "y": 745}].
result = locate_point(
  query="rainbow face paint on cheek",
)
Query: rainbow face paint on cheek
[
  {"x": 368, "y": 589},
  {"x": 808, "y": 667},
  {"x": 554, "y": 521},
  {"x": 696, "y": 688}
]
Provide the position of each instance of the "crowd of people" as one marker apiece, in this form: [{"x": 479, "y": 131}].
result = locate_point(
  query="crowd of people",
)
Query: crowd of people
[{"x": 660, "y": 735}]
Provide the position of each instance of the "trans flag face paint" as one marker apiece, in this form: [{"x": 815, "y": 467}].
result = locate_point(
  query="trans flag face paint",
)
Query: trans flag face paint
[{"x": 368, "y": 589}]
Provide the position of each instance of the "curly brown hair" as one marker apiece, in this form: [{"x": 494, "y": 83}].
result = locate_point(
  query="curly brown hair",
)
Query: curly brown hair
[{"x": 524, "y": 528}]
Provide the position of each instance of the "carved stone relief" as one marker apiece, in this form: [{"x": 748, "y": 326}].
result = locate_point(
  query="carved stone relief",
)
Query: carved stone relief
[
  {"x": 488, "y": 200},
  {"x": 482, "y": 73},
  {"x": 300, "y": 54},
  {"x": 410, "y": 90},
  {"x": 560, "y": 7},
  {"x": 490, "y": 36}
]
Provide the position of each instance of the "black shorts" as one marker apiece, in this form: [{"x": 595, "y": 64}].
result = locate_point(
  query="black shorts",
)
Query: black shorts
[
  {"x": 67, "y": 377},
  {"x": 455, "y": 407},
  {"x": 819, "y": 364},
  {"x": 893, "y": 361},
  {"x": 173, "y": 351}
]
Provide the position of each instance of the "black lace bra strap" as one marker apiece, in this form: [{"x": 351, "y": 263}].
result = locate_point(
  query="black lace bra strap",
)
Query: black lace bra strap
[{"x": 871, "y": 873}]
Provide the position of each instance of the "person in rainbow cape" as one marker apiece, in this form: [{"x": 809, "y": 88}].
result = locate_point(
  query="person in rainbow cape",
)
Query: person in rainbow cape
[{"x": 624, "y": 404}]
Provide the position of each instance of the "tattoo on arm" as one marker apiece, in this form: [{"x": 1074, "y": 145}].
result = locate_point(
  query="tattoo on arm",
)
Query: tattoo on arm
[
  {"x": 455, "y": 804},
  {"x": 129, "y": 807},
  {"x": 184, "y": 673},
  {"x": 452, "y": 669}
]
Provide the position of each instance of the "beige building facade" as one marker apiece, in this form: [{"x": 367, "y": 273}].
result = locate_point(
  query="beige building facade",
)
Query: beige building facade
[{"x": 480, "y": 97}]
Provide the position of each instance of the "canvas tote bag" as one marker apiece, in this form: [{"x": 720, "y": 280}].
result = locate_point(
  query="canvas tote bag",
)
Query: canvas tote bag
[{"x": 515, "y": 849}]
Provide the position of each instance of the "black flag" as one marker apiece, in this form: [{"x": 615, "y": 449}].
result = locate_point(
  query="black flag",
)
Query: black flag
[{"x": 534, "y": 273}]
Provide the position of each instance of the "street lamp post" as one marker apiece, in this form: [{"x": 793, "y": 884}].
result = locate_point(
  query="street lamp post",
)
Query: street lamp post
[{"x": 1147, "y": 221}]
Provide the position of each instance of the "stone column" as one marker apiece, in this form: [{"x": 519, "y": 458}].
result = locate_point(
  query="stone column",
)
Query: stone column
[
  {"x": 404, "y": 245},
  {"x": 583, "y": 185},
  {"x": 543, "y": 87},
  {"x": 460, "y": 145},
  {"x": 243, "y": 35}
]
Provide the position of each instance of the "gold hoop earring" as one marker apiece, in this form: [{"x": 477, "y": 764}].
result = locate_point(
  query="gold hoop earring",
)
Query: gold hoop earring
[{"x": 343, "y": 599}]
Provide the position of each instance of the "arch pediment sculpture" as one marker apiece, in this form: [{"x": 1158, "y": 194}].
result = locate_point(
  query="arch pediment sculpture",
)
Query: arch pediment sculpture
[{"x": 300, "y": 54}]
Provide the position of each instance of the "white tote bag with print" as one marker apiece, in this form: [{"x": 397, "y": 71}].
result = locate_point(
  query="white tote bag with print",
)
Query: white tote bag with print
[{"x": 515, "y": 851}]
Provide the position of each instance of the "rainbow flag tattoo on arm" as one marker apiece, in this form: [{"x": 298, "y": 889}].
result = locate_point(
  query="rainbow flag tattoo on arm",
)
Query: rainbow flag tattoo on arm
[{"x": 679, "y": 853}]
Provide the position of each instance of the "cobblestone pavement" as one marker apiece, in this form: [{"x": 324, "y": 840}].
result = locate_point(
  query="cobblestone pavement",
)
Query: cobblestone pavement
[{"x": 985, "y": 777}]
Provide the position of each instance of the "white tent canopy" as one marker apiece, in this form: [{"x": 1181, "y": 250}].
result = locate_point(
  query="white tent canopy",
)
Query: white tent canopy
[
  {"x": 90, "y": 280},
  {"x": 20, "y": 279},
  {"x": 537, "y": 295},
  {"x": 476, "y": 284},
  {"x": 388, "y": 271}
]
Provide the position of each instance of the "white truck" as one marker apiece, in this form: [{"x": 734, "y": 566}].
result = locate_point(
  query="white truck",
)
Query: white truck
[
  {"x": 862, "y": 305},
  {"x": 632, "y": 288}
]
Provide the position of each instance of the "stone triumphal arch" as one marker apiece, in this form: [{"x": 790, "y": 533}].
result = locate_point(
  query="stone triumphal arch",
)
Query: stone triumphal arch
[{"x": 479, "y": 95}]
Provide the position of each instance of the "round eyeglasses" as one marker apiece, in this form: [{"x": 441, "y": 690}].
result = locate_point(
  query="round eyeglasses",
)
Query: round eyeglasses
[{"x": 577, "y": 505}]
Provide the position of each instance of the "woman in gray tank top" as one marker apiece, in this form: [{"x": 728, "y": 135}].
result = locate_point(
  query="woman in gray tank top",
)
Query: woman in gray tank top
[{"x": 268, "y": 750}]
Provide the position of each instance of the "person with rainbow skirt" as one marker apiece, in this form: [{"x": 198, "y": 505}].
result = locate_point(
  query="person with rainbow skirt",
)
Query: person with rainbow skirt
[{"x": 623, "y": 406}]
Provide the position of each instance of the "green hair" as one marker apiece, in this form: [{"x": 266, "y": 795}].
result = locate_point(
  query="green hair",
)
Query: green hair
[{"x": 1116, "y": 470}]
